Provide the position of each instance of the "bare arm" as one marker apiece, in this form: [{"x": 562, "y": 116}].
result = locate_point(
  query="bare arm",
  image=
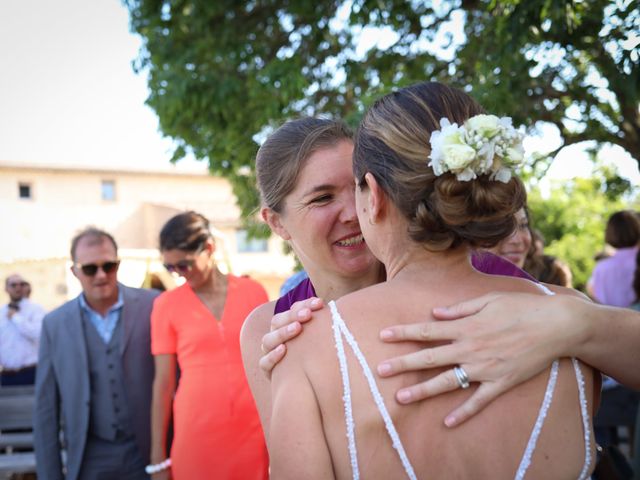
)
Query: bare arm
[
  {"x": 253, "y": 329},
  {"x": 297, "y": 445},
  {"x": 164, "y": 387},
  {"x": 502, "y": 340}
]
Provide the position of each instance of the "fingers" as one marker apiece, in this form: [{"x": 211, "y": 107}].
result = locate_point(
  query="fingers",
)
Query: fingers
[
  {"x": 420, "y": 360},
  {"x": 447, "y": 382},
  {"x": 442, "y": 383},
  {"x": 422, "y": 332},
  {"x": 271, "y": 359},
  {"x": 463, "y": 309},
  {"x": 300, "y": 312},
  {"x": 483, "y": 396},
  {"x": 279, "y": 336}
]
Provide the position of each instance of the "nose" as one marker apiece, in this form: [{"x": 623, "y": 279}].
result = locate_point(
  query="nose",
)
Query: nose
[
  {"x": 348, "y": 212},
  {"x": 516, "y": 237},
  {"x": 100, "y": 273}
]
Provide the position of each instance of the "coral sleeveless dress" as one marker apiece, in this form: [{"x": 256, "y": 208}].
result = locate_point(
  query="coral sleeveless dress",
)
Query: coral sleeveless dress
[{"x": 217, "y": 431}]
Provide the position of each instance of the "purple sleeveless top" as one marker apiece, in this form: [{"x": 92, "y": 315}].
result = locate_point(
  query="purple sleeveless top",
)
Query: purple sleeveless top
[{"x": 484, "y": 262}]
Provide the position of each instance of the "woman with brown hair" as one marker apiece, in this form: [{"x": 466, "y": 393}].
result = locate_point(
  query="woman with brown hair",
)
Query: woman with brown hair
[{"x": 421, "y": 205}]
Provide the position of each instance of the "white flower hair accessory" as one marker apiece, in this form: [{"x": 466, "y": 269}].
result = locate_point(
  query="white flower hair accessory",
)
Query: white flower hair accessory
[{"x": 484, "y": 144}]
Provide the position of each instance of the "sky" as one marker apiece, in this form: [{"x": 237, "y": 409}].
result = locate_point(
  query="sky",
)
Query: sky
[{"x": 68, "y": 93}]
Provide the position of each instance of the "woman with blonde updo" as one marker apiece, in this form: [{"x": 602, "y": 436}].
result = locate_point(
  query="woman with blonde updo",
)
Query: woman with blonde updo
[{"x": 434, "y": 179}]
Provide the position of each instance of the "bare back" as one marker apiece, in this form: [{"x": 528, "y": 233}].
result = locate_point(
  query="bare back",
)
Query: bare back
[{"x": 490, "y": 445}]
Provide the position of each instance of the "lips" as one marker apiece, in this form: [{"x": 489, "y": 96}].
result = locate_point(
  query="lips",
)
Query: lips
[{"x": 350, "y": 241}]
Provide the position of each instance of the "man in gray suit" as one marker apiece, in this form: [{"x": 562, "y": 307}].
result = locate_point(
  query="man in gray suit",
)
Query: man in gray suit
[{"x": 95, "y": 372}]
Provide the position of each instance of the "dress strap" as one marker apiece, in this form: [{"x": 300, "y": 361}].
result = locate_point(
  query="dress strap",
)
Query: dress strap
[
  {"x": 340, "y": 330},
  {"x": 537, "y": 428},
  {"x": 586, "y": 422},
  {"x": 346, "y": 389}
]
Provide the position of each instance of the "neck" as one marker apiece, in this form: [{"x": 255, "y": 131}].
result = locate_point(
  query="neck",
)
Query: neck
[
  {"x": 334, "y": 288},
  {"x": 213, "y": 283},
  {"x": 415, "y": 261},
  {"x": 102, "y": 307}
]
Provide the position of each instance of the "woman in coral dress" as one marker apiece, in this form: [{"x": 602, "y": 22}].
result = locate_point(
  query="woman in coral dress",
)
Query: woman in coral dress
[{"x": 217, "y": 432}]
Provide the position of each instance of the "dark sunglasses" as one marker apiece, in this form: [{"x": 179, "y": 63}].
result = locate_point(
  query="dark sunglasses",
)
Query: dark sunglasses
[
  {"x": 90, "y": 269},
  {"x": 183, "y": 266},
  {"x": 18, "y": 284}
]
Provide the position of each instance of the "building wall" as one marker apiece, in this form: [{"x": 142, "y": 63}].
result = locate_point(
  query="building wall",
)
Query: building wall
[{"x": 37, "y": 231}]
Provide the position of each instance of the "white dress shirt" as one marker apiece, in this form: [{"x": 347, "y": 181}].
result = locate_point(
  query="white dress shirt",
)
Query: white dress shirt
[{"x": 20, "y": 335}]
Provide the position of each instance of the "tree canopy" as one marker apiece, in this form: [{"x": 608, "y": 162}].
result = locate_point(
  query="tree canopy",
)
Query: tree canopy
[{"x": 222, "y": 74}]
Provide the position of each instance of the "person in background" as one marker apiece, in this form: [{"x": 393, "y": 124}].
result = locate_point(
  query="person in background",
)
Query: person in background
[
  {"x": 525, "y": 249},
  {"x": 95, "y": 372},
  {"x": 196, "y": 326},
  {"x": 611, "y": 283},
  {"x": 517, "y": 246},
  {"x": 612, "y": 278},
  {"x": 20, "y": 325}
]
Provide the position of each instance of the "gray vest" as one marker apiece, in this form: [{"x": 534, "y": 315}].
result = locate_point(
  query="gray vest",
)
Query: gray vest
[{"x": 109, "y": 413}]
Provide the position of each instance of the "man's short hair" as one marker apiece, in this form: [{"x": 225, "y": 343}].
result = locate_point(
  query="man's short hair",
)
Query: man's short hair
[{"x": 95, "y": 236}]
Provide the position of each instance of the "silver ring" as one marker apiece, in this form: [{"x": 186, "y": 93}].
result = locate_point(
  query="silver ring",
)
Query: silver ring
[{"x": 461, "y": 376}]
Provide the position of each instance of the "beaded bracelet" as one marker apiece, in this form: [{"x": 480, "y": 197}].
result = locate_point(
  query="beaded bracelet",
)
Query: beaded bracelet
[{"x": 157, "y": 467}]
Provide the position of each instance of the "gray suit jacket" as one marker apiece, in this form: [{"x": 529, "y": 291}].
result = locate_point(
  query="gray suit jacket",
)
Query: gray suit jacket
[{"x": 62, "y": 382}]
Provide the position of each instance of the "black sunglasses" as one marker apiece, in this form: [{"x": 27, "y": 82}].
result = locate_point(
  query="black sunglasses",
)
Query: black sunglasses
[
  {"x": 183, "y": 266},
  {"x": 18, "y": 284},
  {"x": 90, "y": 269}
]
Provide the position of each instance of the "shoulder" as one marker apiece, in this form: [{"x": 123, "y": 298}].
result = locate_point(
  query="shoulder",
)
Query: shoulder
[
  {"x": 301, "y": 291},
  {"x": 63, "y": 311},
  {"x": 487, "y": 262},
  {"x": 258, "y": 323},
  {"x": 143, "y": 294}
]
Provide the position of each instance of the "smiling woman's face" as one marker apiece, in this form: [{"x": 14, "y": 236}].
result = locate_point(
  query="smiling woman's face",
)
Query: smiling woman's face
[
  {"x": 515, "y": 247},
  {"x": 319, "y": 216}
]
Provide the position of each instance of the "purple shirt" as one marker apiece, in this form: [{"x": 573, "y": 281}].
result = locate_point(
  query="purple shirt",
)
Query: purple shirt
[
  {"x": 484, "y": 262},
  {"x": 611, "y": 281}
]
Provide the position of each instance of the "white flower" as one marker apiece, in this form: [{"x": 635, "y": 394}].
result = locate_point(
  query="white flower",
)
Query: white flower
[
  {"x": 457, "y": 156},
  {"x": 502, "y": 175},
  {"x": 486, "y": 126},
  {"x": 514, "y": 156},
  {"x": 484, "y": 144}
]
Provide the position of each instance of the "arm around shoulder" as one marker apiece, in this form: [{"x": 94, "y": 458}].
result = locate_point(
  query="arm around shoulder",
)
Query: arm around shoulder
[{"x": 608, "y": 339}]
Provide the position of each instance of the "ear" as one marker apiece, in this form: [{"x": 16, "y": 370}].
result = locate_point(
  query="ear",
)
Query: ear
[
  {"x": 73, "y": 270},
  {"x": 210, "y": 246},
  {"x": 377, "y": 198},
  {"x": 273, "y": 220}
]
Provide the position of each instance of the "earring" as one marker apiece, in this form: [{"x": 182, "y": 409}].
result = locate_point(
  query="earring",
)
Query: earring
[{"x": 371, "y": 222}]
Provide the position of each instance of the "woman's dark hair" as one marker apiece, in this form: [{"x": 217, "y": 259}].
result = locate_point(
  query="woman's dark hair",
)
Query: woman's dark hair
[
  {"x": 283, "y": 155},
  {"x": 393, "y": 143},
  {"x": 186, "y": 231},
  {"x": 623, "y": 229}
]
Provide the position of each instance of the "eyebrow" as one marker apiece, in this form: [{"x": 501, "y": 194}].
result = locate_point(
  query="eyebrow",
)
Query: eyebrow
[{"x": 318, "y": 188}]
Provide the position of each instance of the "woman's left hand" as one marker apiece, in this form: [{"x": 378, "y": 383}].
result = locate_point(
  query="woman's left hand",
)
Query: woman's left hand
[{"x": 499, "y": 339}]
